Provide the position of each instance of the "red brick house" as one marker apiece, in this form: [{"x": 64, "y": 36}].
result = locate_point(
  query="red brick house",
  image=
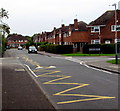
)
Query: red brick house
[
  {"x": 75, "y": 34},
  {"x": 16, "y": 40},
  {"x": 102, "y": 30}
]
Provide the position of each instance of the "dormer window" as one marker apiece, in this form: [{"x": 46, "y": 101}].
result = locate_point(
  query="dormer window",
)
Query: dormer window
[{"x": 95, "y": 29}]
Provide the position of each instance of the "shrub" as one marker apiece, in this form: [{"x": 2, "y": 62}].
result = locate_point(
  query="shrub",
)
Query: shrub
[
  {"x": 57, "y": 49},
  {"x": 86, "y": 47},
  {"x": 108, "y": 48},
  {"x": 105, "y": 48}
]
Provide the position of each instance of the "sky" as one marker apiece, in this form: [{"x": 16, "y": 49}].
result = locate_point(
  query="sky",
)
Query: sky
[{"x": 28, "y": 17}]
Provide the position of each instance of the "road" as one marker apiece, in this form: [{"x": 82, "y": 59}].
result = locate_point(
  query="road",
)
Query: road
[{"x": 70, "y": 85}]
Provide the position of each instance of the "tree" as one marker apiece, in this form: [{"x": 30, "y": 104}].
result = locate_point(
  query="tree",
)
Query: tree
[
  {"x": 3, "y": 13},
  {"x": 4, "y": 29}
]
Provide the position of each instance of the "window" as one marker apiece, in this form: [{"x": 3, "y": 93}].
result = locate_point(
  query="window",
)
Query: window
[
  {"x": 107, "y": 42},
  {"x": 65, "y": 35},
  {"x": 117, "y": 40},
  {"x": 95, "y": 29},
  {"x": 20, "y": 40},
  {"x": 114, "y": 28},
  {"x": 69, "y": 33},
  {"x": 53, "y": 36},
  {"x": 60, "y": 43},
  {"x": 95, "y": 41},
  {"x": 60, "y": 35}
]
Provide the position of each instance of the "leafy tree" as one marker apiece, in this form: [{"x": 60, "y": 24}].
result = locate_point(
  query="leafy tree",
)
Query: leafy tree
[
  {"x": 4, "y": 29},
  {"x": 30, "y": 42},
  {"x": 3, "y": 13}
]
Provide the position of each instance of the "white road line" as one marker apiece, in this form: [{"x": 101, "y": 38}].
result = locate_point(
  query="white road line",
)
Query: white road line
[
  {"x": 83, "y": 63},
  {"x": 101, "y": 70},
  {"x": 30, "y": 70}
]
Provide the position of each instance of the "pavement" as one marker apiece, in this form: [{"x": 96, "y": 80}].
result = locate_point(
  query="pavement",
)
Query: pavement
[
  {"x": 99, "y": 63},
  {"x": 19, "y": 90}
]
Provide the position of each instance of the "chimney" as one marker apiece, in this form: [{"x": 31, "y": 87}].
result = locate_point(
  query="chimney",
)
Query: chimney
[
  {"x": 62, "y": 25},
  {"x": 54, "y": 28},
  {"x": 76, "y": 24}
]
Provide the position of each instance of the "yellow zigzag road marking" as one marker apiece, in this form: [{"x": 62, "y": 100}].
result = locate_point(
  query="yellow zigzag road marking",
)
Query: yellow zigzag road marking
[
  {"x": 62, "y": 77},
  {"x": 79, "y": 85},
  {"x": 91, "y": 99},
  {"x": 30, "y": 61},
  {"x": 46, "y": 74}
]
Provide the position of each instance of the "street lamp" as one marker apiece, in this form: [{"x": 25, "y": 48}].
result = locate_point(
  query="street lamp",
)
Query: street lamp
[{"x": 116, "y": 53}]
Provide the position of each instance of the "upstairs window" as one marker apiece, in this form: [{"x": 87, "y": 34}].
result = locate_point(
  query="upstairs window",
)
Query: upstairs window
[
  {"x": 95, "y": 41},
  {"x": 69, "y": 33},
  {"x": 117, "y": 40},
  {"x": 95, "y": 29},
  {"x": 60, "y": 35},
  {"x": 115, "y": 28}
]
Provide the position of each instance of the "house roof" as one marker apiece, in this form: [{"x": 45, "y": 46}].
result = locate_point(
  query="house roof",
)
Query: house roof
[
  {"x": 16, "y": 37},
  {"x": 82, "y": 26},
  {"x": 103, "y": 19}
]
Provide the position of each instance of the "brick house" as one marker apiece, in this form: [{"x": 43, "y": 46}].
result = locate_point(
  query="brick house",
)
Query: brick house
[
  {"x": 102, "y": 30},
  {"x": 16, "y": 40},
  {"x": 75, "y": 34}
]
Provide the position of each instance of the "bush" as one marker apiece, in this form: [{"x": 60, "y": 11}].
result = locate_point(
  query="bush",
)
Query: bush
[
  {"x": 86, "y": 48},
  {"x": 105, "y": 48},
  {"x": 57, "y": 49},
  {"x": 108, "y": 48},
  {"x": 3, "y": 44}
]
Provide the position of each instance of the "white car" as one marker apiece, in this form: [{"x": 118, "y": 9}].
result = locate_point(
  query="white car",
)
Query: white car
[{"x": 20, "y": 48}]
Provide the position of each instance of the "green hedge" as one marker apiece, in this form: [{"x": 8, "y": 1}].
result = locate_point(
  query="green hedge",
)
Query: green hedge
[
  {"x": 57, "y": 49},
  {"x": 105, "y": 48},
  {"x": 3, "y": 44}
]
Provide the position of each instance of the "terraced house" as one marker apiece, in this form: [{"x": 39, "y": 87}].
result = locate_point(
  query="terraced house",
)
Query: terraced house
[
  {"x": 101, "y": 30},
  {"x": 75, "y": 34}
]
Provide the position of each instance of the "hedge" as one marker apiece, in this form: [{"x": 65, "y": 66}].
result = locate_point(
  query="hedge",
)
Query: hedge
[
  {"x": 57, "y": 49},
  {"x": 105, "y": 48}
]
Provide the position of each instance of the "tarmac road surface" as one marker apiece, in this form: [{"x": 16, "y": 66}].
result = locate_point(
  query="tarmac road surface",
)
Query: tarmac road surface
[{"x": 70, "y": 85}]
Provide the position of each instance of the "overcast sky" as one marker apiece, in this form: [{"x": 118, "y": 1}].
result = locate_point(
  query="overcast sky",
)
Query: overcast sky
[{"x": 28, "y": 17}]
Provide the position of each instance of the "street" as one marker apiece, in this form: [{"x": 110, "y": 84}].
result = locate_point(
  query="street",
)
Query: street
[{"x": 68, "y": 84}]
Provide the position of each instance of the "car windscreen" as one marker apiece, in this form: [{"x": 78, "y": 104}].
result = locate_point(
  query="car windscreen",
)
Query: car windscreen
[{"x": 33, "y": 48}]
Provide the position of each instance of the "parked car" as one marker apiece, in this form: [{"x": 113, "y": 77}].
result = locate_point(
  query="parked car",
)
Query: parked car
[
  {"x": 7, "y": 47},
  {"x": 20, "y": 48},
  {"x": 32, "y": 49}
]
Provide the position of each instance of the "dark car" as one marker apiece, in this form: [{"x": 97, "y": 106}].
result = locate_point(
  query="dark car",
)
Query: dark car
[{"x": 32, "y": 49}]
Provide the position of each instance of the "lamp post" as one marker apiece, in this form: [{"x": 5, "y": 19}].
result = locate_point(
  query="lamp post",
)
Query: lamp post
[{"x": 116, "y": 53}]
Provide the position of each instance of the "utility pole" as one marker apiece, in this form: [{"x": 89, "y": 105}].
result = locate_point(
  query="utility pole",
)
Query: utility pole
[{"x": 116, "y": 52}]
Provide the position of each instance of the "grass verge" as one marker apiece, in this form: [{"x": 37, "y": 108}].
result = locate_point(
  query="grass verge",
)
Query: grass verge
[
  {"x": 113, "y": 61},
  {"x": 79, "y": 54}
]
